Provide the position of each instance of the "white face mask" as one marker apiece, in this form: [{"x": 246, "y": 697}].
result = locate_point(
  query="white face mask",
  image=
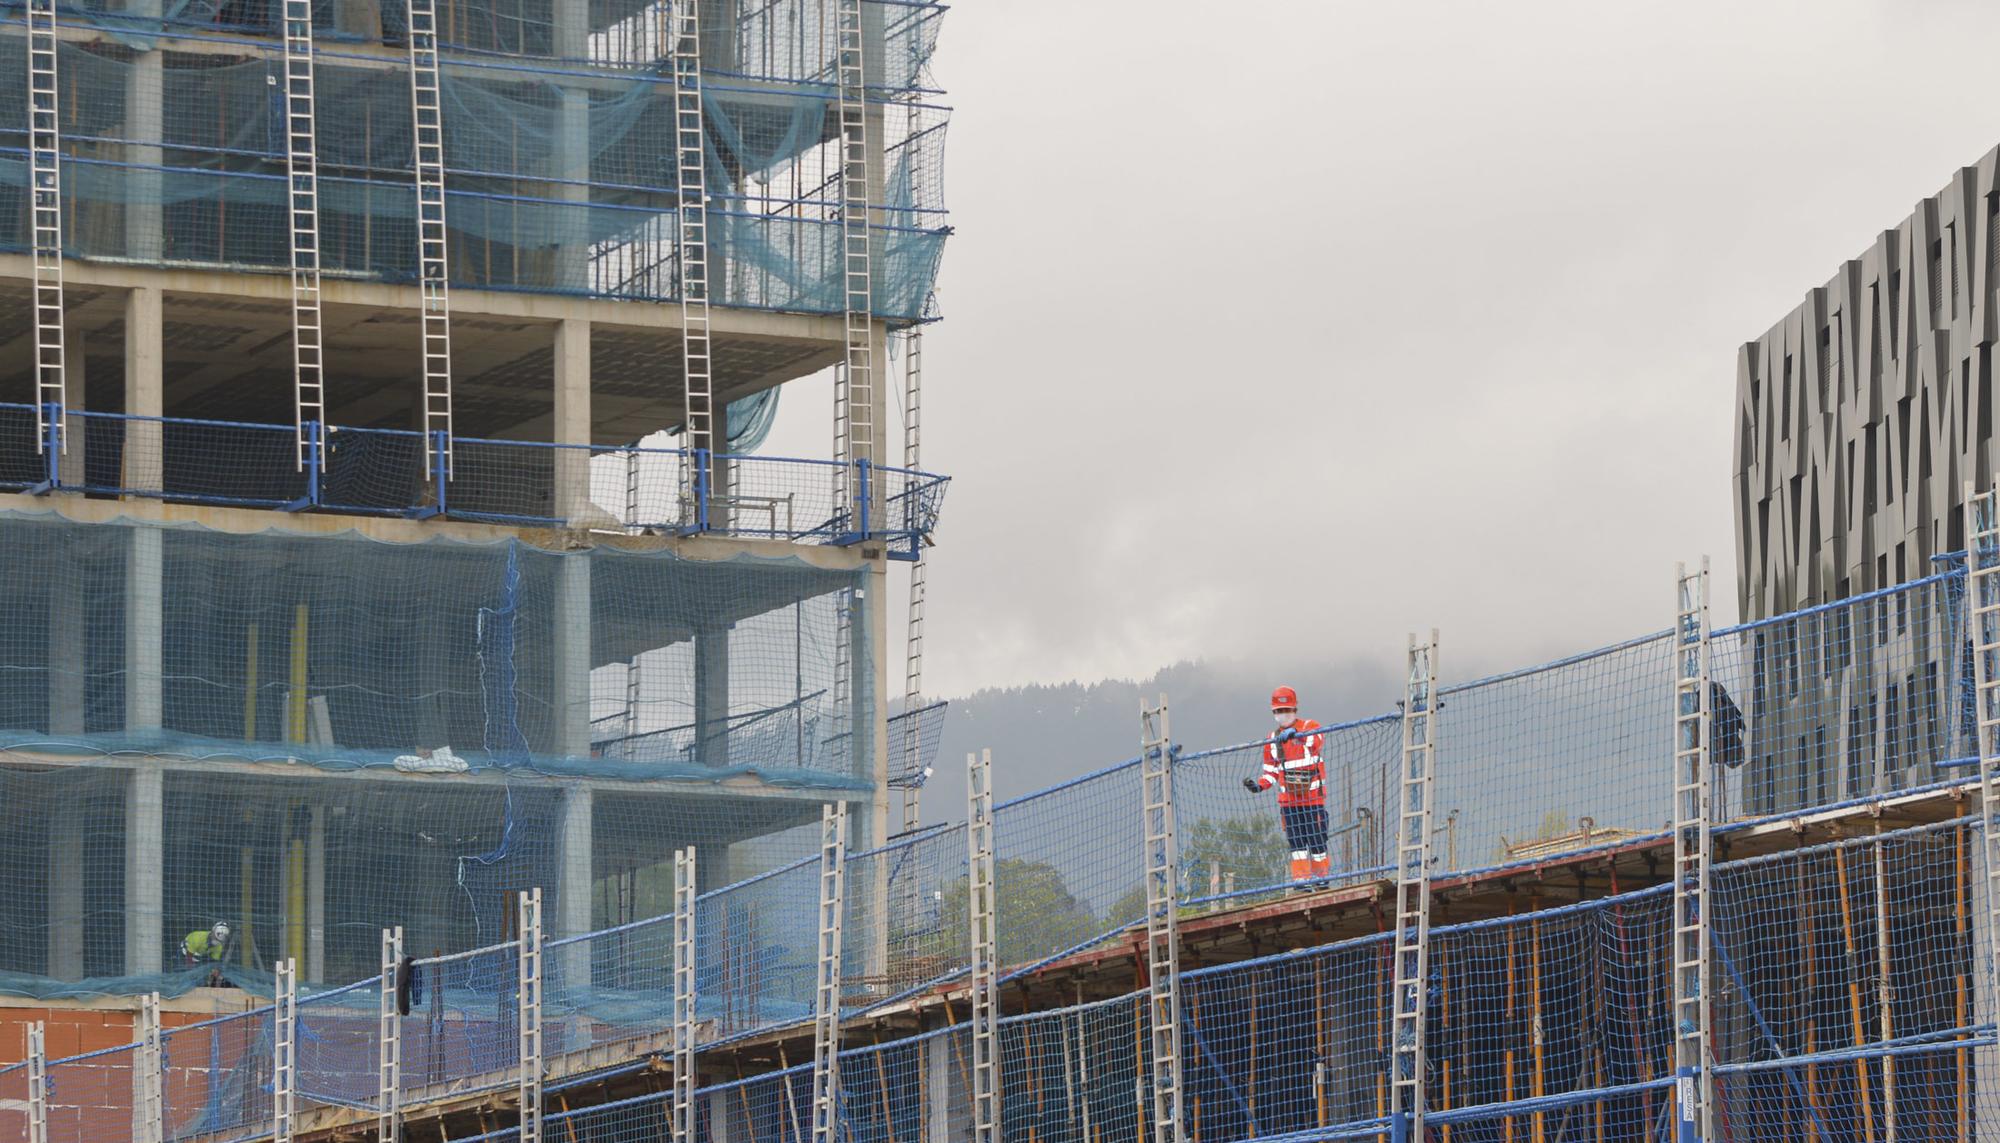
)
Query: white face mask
[{"x": 1284, "y": 717}]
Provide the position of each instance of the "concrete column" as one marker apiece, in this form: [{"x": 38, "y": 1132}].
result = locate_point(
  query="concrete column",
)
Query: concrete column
[
  {"x": 721, "y": 1112},
  {"x": 572, "y": 160},
  {"x": 575, "y": 875},
  {"x": 572, "y": 657},
  {"x": 145, "y": 392},
  {"x": 68, "y": 654},
  {"x": 70, "y": 466},
  {"x": 316, "y": 896},
  {"x": 144, "y": 581},
  {"x": 939, "y": 1067},
  {"x": 66, "y": 892},
  {"x": 572, "y": 420},
  {"x": 144, "y": 98},
  {"x": 145, "y": 859},
  {"x": 711, "y": 695}
]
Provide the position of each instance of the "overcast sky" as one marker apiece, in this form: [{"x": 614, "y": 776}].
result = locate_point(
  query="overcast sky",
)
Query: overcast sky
[{"x": 1274, "y": 331}]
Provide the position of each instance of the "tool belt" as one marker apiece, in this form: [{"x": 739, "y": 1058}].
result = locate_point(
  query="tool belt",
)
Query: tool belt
[{"x": 1299, "y": 781}]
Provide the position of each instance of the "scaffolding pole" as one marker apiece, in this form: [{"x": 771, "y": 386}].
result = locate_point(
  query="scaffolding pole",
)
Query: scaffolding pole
[
  {"x": 684, "y": 995},
  {"x": 1411, "y": 957},
  {"x": 826, "y": 991},
  {"x": 985, "y": 948},
  {"x": 1694, "y": 1059},
  {"x": 1982, "y": 534},
  {"x": 854, "y": 383},
  {"x": 45, "y": 169},
  {"x": 1163, "y": 954},
  {"x": 529, "y": 995},
  {"x": 302, "y": 179},
  {"x": 148, "y": 1106},
  {"x": 389, "y": 1040},
  {"x": 38, "y": 1083},
  {"x": 427, "y": 137},
  {"x": 285, "y": 1052},
  {"x": 698, "y": 388}
]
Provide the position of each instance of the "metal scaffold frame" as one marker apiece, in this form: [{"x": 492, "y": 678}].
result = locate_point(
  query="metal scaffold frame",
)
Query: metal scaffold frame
[
  {"x": 691, "y": 197},
  {"x": 1982, "y": 604},
  {"x": 38, "y": 1083},
  {"x": 684, "y": 995},
  {"x": 285, "y": 1052},
  {"x": 1163, "y": 953},
  {"x": 1694, "y": 1060},
  {"x": 389, "y": 1040},
  {"x": 529, "y": 995},
  {"x": 985, "y": 1078},
  {"x": 1410, "y": 1003},
  {"x": 854, "y": 383},
  {"x": 302, "y": 182},
  {"x": 826, "y": 982},
  {"x": 45, "y": 171},
  {"x": 427, "y": 135},
  {"x": 148, "y": 1086}
]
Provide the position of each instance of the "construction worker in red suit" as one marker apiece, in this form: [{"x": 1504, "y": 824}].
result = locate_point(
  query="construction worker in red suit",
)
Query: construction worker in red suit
[{"x": 1292, "y": 763}]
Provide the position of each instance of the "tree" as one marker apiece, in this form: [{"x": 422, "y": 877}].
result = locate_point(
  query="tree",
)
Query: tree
[
  {"x": 1035, "y": 913},
  {"x": 1251, "y": 848}
]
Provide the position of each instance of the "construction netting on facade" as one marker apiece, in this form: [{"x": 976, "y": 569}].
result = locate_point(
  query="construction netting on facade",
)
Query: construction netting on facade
[
  {"x": 559, "y": 148},
  {"x": 428, "y": 728}
]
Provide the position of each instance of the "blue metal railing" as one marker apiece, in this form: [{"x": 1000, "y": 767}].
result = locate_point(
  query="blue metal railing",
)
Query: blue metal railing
[{"x": 399, "y": 472}]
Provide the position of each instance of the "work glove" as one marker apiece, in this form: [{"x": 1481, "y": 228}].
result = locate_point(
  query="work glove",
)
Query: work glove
[
  {"x": 1251, "y": 785},
  {"x": 1287, "y": 734}
]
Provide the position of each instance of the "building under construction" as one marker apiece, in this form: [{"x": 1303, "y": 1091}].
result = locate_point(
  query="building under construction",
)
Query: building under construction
[{"x": 396, "y": 581}]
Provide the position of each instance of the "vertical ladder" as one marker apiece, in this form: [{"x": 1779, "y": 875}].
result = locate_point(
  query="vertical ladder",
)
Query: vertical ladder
[
  {"x": 530, "y": 996},
  {"x": 1982, "y": 595},
  {"x": 1411, "y": 1001},
  {"x": 854, "y": 383},
  {"x": 389, "y": 1040},
  {"x": 148, "y": 1107},
  {"x": 985, "y": 1079},
  {"x": 846, "y": 602},
  {"x": 427, "y": 131},
  {"x": 38, "y": 1084},
  {"x": 826, "y": 990},
  {"x": 631, "y": 720},
  {"x": 45, "y": 171},
  {"x": 913, "y": 648},
  {"x": 1693, "y": 818},
  {"x": 302, "y": 175},
  {"x": 1163, "y": 955},
  {"x": 684, "y": 995},
  {"x": 690, "y": 136},
  {"x": 285, "y": 1053}
]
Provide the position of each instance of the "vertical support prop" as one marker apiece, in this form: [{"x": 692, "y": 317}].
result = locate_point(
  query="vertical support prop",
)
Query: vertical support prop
[
  {"x": 1163, "y": 955},
  {"x": 148, "y": 1107},
  {"x": 826, "y": 992},
  {"x": 1982, "y": 592},
  {"x": 684, "y": 995},
  {"x": 389, "y": 1040},
  {"x": 985, "y": 948},
  {"x": 1693, "y": 848},
  {"x": 302, "y": 179},
  {"x": 854, "y": 383},
  {"x": 690, "y": 130},
  {"x": 38, "y": 1084},
  {"x": 529, "y": 995},
  {"x": 284, "y": 1052},
  {"x": 45, "y": 171},
  {"x": 427, "y": 137},
  {"x": 1411, "y": 952}
]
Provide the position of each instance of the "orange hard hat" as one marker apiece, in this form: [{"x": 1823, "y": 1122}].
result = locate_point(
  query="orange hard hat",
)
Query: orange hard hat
[{"x": 1284, "y": 698}]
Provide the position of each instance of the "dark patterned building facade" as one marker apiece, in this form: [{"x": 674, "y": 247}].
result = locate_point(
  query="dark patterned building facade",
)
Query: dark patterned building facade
[{"x": 1860, "y": 417}]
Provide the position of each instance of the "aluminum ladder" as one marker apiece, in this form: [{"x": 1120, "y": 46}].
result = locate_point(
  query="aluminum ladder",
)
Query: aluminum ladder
[
  {"x": 302, "y": 181},
  {"x": 1163, "y": 953},
  {"x": 826, "y": 987},
  {"x": 38, "y": 1083},
  {"x": 1693, "y": 845},
  {"x": 1982, "y": 594},
  {"x": 913, "y": 647},
  {"x": 985, "y": 1078},
  {"x": 285, "y": 1053},
  {"x": 1410, "y": 1007},
  {"x": 684, "y": 996},
  {"x": 427, "y": 134},
  {"x": 45, "y": 174},
  {"x": 854, "y": 383},
  {"x": 691, "y": 179},
  {"x": 389, "y": 1040},
  {"x": 529, "y": 955}
]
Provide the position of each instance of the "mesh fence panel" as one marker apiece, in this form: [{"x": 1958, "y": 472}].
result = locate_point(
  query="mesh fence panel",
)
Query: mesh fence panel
[
  {"x": 464, "y": 1036},
  {"x": 90, "y": 1097},
  {"x": 1565, "y": 756},
  {"x": 218, "y": 1077},
  {"x": 339, "y": 1044},
  {"x": 906, "y": 922},
  {"x": 1077, "y": 1075},
  {"x": 775, "y": 1107},
  {"x": 609, "y": 986},
  {"x": 1069, "y": 866},
  {"x": 758, "y": 949}
]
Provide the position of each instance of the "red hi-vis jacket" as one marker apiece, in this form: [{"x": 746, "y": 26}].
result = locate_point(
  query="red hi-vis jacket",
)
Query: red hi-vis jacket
[{"x": 1295, "y": 766}]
